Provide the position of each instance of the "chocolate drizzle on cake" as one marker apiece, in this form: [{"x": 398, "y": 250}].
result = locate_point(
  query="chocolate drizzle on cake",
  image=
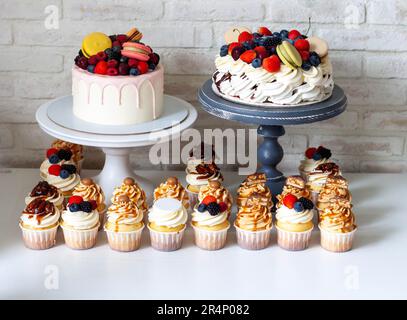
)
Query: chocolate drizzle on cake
[
  {"x": 39, "y": 208},
  {"x": 44, "y": 189},
  {"x": 207, "y": 171}
]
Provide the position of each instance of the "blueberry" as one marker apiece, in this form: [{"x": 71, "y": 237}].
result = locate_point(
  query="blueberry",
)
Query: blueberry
[
  {"x": 306, "y": 203},
  {"x": 64, "y": 174},
  {"x": 117, "y": 49},
  {"x": 256, "y": 35},
  {"x": 224, "y": 50},
  {"x": 314, "y": 60},
  {"x": 54, "y": 159},
  {"x": 134, "y": 72},
  {"x": 317, "y": 156},
  {"x": 256, "y": 63},
  {"x": 306, "y": 65},
  {"x": 202, "y": 207},
  {"x": 74, "y": 207},
  {"x": 298, "y": 206},
  {"x": 86, "y": 206},
  {"x": 108, "y": 51},
  {"x": 91, "y": 68},
  {"x": 151, "y": 66},
  {"x": 248, "y": 45},
  {"x": 284, "y": 33},
  {"x": 273, "y": 50},
  {"x": 124, "y": 59},
  {"x": 277, "y": 34}
]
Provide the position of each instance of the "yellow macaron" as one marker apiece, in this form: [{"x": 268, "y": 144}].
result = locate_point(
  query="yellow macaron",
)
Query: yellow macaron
[{"x": 95, "y": 42}]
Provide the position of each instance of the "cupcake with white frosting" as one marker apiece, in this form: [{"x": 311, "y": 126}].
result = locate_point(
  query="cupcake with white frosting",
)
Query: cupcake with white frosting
[
  {"x": 80, "y": 223},
  {"x": 64, "y": 177},
  {"x": 39, "y": 222},
  {"x": 167, "y": 223},
  {"x": 55, "y": 156},
  {"x": 76, "y": 150},
  {"x": 313, "y": 157}
]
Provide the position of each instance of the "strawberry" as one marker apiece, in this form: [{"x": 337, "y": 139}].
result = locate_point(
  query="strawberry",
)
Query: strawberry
[
  {"x": 245, "y": 36},
  {"x": 289, "y": 200},
  {"x": 272, "y": 63},
  {"x": 309, "y": 153},
  {"x": 142, "y": 66},
  {"x": 54, "y": 169},
  {"x": 222, "y": 206},
  {"x": 259, "y": 49},
  {"x": 264, "y": 31},
  {"x": 101, "y": 67},
  {"x": 75, "y": 199},
  {"x": 94, "y": 204},
  {"x": 208, "y": 199},
  {"x": 51, "y": 151},
  {"x": 248, "y": 56},
  {"x": 304, "y": 55},
  {"x": 302, "y": 44},
  {"x": 293, "y": 34},
  {"x": 232, "y": 46}
]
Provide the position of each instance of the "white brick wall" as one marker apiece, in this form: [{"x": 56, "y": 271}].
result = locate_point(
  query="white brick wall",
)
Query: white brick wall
[{"x": 368, "y": 42}]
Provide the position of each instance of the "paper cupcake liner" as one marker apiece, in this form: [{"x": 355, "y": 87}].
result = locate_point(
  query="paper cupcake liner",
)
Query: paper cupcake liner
[
  {"x": 124, "y": 241},
  {"x": 337, "y": 242},
  {"x": 253, "y": 240},
  {"x": 293, "y": 241},
  {"x": 166, "y": 241},
  {"x": 210, "y": 240},
  {"x": 193, "y": 199},
  {"x": 80, "y": 239},
  {"x": 39, "y": 239}
]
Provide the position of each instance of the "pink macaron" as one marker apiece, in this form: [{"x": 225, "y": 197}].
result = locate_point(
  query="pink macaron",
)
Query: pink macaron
[{"x": 136, "y": 50}]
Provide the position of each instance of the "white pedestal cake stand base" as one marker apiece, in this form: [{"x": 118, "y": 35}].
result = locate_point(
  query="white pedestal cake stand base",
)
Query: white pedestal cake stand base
[{"x": 117, "y": 147}]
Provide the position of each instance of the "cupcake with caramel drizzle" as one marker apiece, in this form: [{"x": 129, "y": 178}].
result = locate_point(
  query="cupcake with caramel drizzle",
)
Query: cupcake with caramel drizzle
[
  {"x": 172, "y": 188},
  {"x": 39, "y": 222},
  {"x": 124, "y": 224},
  {"x": 294, "y": 185},
  {"x": 130, "y": 188},
  {"x": 335, "y": 187},
  {"x": 254, "y": 184},
  {"x": 253, "y": 223},
  {"x": 90, "y": 191},
  {"x": 44, "y": 190},
  {"x": 215, "y": 189}
]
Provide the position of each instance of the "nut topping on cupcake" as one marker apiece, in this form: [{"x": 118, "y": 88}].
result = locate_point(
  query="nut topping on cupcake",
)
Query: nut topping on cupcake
[{"x": 254, "y": 184}]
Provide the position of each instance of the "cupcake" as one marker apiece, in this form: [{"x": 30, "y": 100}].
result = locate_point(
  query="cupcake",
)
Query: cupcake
[
  {"x": 76, "y": 150},
  {"x": 253, "y": 223},
  {"x": 80, "y": 223},
  {"x": 172, "y": 188},
  {"x": 64, "y": 177},
  {"x": 90, "y": 191},
  {"x": 335, "y": 187},
  {"x": 337, "y": 225},
  {"x": 130, "y": 188},
  {"x": 39, "y": 223},
  {"x": 43, "y": 190},
  {"x": 124, "y": 225},
  {"x": 317, "y": 178},
  {"x": 167, "y": 222},
  {"x": 55, "y": 156},
  {"x": 294, "y": 222},
  {"x": 294, "y": 185},
  {"x": 313, "y": 157},
  {"x": 217, "y": 193},
  {"x": 254, "y": 184}
]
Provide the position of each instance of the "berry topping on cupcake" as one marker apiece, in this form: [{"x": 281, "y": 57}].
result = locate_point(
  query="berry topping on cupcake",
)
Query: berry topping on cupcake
[{"x": 318, "y": 153}]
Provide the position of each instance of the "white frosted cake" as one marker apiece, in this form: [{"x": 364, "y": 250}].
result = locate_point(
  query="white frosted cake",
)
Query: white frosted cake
[
  {"x": 282, "y": 68},
  {"x": 117, "y": 80}
]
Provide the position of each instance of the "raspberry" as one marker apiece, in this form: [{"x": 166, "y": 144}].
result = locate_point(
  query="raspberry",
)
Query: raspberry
[
  {"x": 112, "y": 63},
  {"x": 208, "y": 199},
  {"x": 101, "y": 56},
  {"x": 309, "y": 153},
  {"x": 94, "y": 204},
  {"x": 132, "y": 63},
  {"x": 124, "y": 69},
  {"x": 51, "y": 151},
  {"x": 55, "y": 170},
  {"x": 289, "y": 200},
  {"x": 223, "y": 206},
  {"x": 75, "y": 199},
  {"x": 154, "y": 58},
  {"x": 121, "y": 38},
  {"x": 111, "y": 71},
  {"x": 93, "y": 60}
]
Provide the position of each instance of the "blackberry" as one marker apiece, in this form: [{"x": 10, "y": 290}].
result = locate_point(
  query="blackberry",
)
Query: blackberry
[
  {"x": 86, "y": 206},
  {"x": 112, "y": 37},
  {"x": 272, "y": 41},
  {"x": 324, "y": 152},
  {"x": 69, "y": 167},
  {"x": 64, "y": 154},
  {"x": 213, "y": 208},
  {"x": 307, "y": 203}
]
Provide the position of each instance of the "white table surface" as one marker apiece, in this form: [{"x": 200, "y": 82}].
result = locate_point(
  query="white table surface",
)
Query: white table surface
[{"x": 375, "y": 268}]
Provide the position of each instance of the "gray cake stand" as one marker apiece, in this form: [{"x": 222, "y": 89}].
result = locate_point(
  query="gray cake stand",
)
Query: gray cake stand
[{"x": 271, "y": 121}]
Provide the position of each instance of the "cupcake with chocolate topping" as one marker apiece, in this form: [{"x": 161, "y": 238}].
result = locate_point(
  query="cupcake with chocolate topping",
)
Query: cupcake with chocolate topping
[
  {"x": 55, "y": 156},
  {"x": 253, "y": 223},
  {"x": 43, "y": 190},
  {"x": 124, "y": 224},
  {"x": 91, "y": 191},
  {"x": 39, "y": 223},
  {"x": 64, "y": 177},
  {"x": 80, "y": 223},
  {"x": 76, "y": 150},
  {"x": 130, "y": 188},
  {"x": 335, "y": 187},
  {"x": 294, "y": 222},
  {"x": 254, "y": 184},
  {"x": 317, "y": 178},
  {"x": 294, "y": 185},
  {"x": 313, "y": 157},
  {"x": 172, "y": 188},
  {"x": 337, "y": 225}
]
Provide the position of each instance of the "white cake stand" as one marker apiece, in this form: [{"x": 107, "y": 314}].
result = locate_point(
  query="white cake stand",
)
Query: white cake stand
[{"x": 116, "y": 146}]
